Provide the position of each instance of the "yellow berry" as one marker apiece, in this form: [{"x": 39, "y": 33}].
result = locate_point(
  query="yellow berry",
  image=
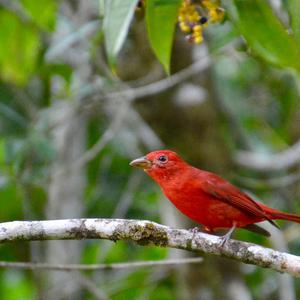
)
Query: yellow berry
[
  {"x": 213, "y": 15},
  {"x": 197, "y": 28},
  {"x": 216, "y": 15},
  {"x": 181, "y": 18},
  {"x": 184, "y": 27},
  {"x": 190, "y": 18},
  {"x": 198, "y": 39},
  {"x": 206, "y": 3},
  {"x": 196, "y": 16},
  {"x": 191, "y": 21}
]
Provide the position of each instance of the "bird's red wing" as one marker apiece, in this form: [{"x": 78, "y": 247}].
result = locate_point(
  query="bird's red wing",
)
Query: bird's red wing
[{"x": 228, "y": 193}]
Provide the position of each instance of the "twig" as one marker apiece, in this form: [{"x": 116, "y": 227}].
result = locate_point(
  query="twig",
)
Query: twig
[
  {"x": 93, "y": 267},
  {"x": 278, "y": 182},
  {"x": 164, "y": 84},
  {"x": 157, "y": 87},
  {"x": 83, "y": 32},
  {"x": 270, "y": 162},
  {"x": 149, "y": 233},
  {"x": 106, "y": 137}
]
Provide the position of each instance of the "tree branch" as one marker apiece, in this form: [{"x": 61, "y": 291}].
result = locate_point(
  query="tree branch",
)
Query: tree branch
[
  {"x": 149, "y": 233},
  {"x": 94, "y": 267},
  {"x": 90, "y": 95}
]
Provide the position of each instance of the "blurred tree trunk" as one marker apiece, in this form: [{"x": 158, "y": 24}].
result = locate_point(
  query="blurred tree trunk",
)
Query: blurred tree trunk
[
  {"x": 67, "y": 181},
  {"x": 65, "y": 193}
]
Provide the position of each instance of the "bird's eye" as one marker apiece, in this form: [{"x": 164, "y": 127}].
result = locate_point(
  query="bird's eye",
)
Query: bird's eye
[{"x": 163, "y": 158}]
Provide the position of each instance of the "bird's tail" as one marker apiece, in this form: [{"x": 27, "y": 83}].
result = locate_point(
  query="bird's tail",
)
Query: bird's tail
[{"x": 280, "y": 215}]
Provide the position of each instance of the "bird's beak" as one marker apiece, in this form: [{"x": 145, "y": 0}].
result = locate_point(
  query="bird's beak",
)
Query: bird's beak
[{"x": 141, "y": 162}]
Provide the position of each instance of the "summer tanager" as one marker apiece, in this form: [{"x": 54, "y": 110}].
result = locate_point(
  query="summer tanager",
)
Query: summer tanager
[{"x": 205, "y": 197}]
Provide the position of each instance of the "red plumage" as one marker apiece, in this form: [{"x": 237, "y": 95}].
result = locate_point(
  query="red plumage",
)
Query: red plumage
[{"x": 205, "y": 197}]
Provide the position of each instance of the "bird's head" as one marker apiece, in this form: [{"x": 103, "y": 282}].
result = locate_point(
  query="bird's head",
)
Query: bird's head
[{"x": 160, "y": 164}]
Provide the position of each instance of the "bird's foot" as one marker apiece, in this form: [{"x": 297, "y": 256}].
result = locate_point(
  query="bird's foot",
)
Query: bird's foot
[{"x": 226, "y": 237}]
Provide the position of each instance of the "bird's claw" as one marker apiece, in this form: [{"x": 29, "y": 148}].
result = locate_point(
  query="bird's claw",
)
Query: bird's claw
[
  {"x": 226, "y": 237},
  {"x": 223, "y": 240}
]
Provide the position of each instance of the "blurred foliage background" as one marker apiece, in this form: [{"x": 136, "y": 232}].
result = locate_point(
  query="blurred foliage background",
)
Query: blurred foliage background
[{"x": 79, "y": 98}]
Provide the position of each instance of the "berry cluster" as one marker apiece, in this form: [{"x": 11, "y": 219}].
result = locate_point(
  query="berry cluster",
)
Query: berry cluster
[{"x": 194, "y": 15}]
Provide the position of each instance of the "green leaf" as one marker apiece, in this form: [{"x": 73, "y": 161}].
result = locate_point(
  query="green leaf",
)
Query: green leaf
[
  {"x": 161, "y": 16},
  {"x": 17, "y": 286},
  {"x": 19, "y": 56},
  {"x": 294, "y": 11},
  {"x": 43, "y": 13},
  {"x": 117, "y": 18},
  {"x": 266, "y": 35}
]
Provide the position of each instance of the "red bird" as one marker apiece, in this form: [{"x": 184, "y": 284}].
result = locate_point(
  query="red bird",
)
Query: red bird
[{"x": 207, "y": 198}]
